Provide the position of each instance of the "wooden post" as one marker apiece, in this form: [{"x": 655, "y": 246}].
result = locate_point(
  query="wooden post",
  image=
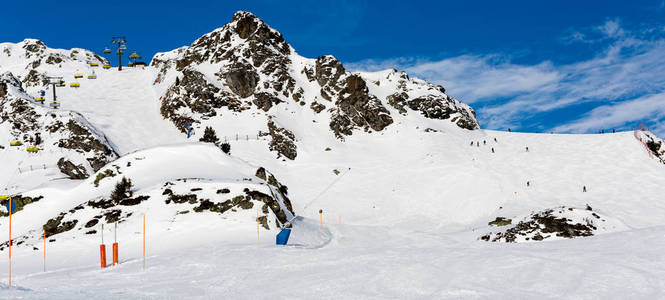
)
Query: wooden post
[{"x": 321, "y": 219}]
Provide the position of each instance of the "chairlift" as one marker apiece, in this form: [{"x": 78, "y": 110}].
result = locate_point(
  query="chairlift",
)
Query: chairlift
[
  {"x": 54, "y": 104},
  {"x": 106, "y": 66},
  {"x": 107, "y": 50},
  {"x": 122, "y": 47},
  {"x": 92, "y": 76},
  {"x": 32, "y": 149},
  {"x": 78, "y": 75},
  {"x": 15, "y": 143},
  {"x": 134, "y": 55},
  {"x": 94, "y": 64},
  {"x": 61, "y": 83},
  {"x": 40, "y": 99},
  {"x": 75, "y": 85}
]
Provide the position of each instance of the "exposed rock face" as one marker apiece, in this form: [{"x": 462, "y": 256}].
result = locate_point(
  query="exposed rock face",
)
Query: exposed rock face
[
  {"x": 546, "y": 224},
  {"x": 194, "y": 95},
  {"x": 242, "y": 79},
  {"x": 357, "y": 107},
  {"x": 72, "y": 170},
  {"x": 35, "y": 125},
  {"x": 257, "y": 73},
  {"x": 654, "y": 144},
  {"x": 283, "y": 141}
]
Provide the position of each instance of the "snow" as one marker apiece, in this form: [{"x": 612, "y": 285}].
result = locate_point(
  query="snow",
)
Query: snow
[{"x": 412, "y": 207}]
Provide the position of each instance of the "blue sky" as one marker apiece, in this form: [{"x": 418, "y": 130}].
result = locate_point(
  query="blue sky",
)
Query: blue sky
[{"x": 565, "y": 66}]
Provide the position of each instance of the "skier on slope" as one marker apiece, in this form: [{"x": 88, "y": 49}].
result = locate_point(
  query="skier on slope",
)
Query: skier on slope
[
  {"x": 527, "y": 148},
  {"x": 584, "y": 189},
  {"x": 484, "y": 142},
  {"x": 477, "y": 144},
  {"x": 495, "y": 140},
  {"x": 528, "y": 184},
  {"x": 492, "y": 150}
]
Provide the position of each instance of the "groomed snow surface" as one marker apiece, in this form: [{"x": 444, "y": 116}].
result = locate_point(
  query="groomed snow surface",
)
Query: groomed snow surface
[{"x": 404, "y": 222}]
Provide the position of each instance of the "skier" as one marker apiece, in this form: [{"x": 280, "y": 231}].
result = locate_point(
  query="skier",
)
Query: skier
[
  {"x": 584, "y": 189},
  {"x": 613, "y": 130},
  {"x": 471, "y": 143},
  {"x": 492, "y": 150},
  {"x": 527, "y": 184},
  {"x": 527, "y": 149},
  {"x": 477, "y": 144},
  {"x": 509, "y": 130},
  {"x": 484, "y": 142},
  {"x": 495, "y": 140}
]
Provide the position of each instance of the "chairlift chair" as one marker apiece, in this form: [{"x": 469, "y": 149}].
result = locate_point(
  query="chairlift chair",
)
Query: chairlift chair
[
  {"x": 75, "y": 85},
  {"x": 106, "y": 66},
  {"x": 78, "y": 75},
  {"x": 92, "y": 76},
  {"x": 94, "y": 64},
  {"x": 15, "y": 143},
  {"x": 32, "y": 149},
  {"x": 54, "y": 104},
  {"x": 122, "y": 47},
  {"x": 40, "y": 99},
  {"x": 107, "y": 50}
]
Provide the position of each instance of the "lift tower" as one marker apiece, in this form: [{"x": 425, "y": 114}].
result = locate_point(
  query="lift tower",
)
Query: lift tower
[
  {"x": 120, "y": 42},
  {"x": 55, "y": 81}
]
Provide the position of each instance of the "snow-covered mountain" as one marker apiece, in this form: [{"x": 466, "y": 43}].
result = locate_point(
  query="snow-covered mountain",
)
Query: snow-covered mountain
[
  {"x": 392, "y": 188},
  {"x": 247, "y": 68}
]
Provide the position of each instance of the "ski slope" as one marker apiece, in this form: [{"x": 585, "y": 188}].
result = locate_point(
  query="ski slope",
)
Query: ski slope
[
  {"x": 402, "y": 216},
  {"x": 124, "y": 105}
]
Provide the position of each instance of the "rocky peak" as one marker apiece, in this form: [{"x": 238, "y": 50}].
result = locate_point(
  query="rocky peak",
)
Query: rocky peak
[{"x": 247, "y": 65}]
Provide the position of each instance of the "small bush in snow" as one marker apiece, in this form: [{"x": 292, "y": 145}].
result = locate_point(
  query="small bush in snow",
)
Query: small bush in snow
[
  {"x": 226, "y": 147},
  {"x": 123, "y": 190},
  {"x": 209, "y": 136}
]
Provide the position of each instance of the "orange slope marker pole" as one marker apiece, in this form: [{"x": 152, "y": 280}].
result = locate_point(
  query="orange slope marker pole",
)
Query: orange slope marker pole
[
  {"x": 257, "y": 229},
  {"x": 321, "y": 219},
  {"x": 10, "y": 242},
  {"x": 102, "y": 251},
  {"x": 340, "y": 220},
  {"x": 144, "y": 242},
  {"x": 115, "y": 245}
]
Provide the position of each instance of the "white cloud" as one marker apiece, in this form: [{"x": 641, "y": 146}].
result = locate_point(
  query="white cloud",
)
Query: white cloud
[
  {"x": 629, "y": 69},
  {"x": 649, "y": 107}
]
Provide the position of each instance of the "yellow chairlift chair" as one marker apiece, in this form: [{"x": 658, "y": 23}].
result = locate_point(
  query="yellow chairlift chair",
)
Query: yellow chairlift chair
[
  {"x": 75, "y": 85},
  {"x": 107, "y": 50},
  {"x": 78, "y": 75},
  {"x": 54, "y": 104},
  {"x": 32, "y": 149},
  {"x": 94, "y": 64},
  {"x": 15, "y": 143},
  {"x": 106, "y": 66}
]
